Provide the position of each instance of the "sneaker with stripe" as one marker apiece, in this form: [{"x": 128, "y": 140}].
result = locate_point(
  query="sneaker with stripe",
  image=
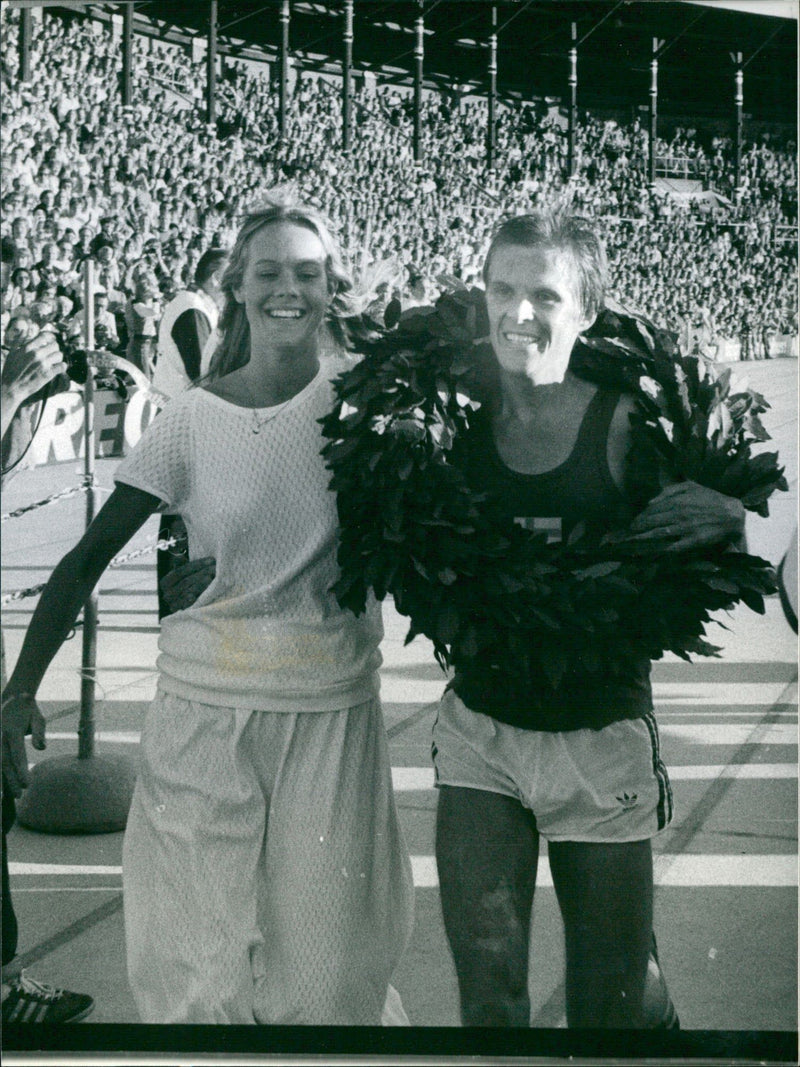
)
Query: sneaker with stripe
[{"x": 28, "y": 1001}]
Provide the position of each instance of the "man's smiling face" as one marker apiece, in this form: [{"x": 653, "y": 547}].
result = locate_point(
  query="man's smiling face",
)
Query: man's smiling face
[{"x": 535, "y": 311}]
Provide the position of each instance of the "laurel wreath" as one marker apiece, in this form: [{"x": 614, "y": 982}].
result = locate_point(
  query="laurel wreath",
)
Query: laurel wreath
[{"x": 481, "y": 587}]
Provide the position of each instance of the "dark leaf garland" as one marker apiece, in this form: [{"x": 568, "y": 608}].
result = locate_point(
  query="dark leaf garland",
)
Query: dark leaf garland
[{"x": 478, "y": 586}]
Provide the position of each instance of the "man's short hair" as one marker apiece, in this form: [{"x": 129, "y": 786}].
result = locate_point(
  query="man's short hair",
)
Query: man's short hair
[
  {"x": 209, "y": 263},
  {"x": 560, "y": 231}
]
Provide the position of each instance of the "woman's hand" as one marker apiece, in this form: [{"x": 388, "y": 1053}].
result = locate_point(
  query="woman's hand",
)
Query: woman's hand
[
  {"x": 688, "y": 515},
  {"x": 183, "y": 585},
  {"x": 21, "y": 716}
]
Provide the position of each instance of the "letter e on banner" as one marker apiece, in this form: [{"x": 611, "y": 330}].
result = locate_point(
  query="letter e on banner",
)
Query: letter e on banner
[
  {"x": 109, "y": 424},
  {"x": 139, "y": 413}
]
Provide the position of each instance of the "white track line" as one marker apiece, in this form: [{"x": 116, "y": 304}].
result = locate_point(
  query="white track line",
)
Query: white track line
[
  {"x": 409, "y": 779},
  {"x": 684, "y": 871},
  {"x": 406, "y": 690},
  {"x": 409, "y": 689},
  {"x": 415, "y": 779},
  {"x": 714, "y": 733},
  {"x": 688, "y": 871},
  {"x": 718, "y": 692}
]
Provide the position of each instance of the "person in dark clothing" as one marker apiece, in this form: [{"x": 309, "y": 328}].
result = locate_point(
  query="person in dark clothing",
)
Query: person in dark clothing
[
  {"x": 585, "y": 771},
  {"x": 32, "y": 369},
  {"x": 186, "y": 324}
]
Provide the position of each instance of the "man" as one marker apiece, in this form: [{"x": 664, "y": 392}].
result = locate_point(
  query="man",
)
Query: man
[
  {"x": 142, "y": 314},
  {"x": 105, "y": 323},
  {"x": 186, "y": 323},
  {"x": 30, "y": 372},
  {"x": 556, "y": 446}
]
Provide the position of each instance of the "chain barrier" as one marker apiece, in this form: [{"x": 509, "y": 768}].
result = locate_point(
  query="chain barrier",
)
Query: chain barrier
[
  {"x": 65, "y": 494},
  {"x": 117, "y": 561}
]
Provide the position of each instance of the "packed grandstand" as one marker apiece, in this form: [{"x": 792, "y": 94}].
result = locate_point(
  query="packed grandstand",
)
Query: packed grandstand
[{"x": 145, "y": 190}]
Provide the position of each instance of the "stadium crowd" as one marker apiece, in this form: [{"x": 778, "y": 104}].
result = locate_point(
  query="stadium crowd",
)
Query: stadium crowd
[{"x": 144, "y": 190}]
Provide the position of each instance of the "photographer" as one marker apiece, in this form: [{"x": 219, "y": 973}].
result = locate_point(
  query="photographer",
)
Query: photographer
[{"x": 32, "y": 370}]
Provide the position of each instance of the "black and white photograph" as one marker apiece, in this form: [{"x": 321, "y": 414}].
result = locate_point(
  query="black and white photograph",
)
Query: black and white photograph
[{"x": 399, "y": 531}]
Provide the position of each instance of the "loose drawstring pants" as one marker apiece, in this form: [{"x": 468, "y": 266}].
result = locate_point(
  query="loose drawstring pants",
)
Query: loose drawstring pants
[{"x": 265, "y": 875}]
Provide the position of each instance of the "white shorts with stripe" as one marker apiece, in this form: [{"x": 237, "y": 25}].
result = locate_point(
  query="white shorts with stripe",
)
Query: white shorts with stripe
[
  {"x": 265, "y": 875},
  {"x": 607, "y": 785}
]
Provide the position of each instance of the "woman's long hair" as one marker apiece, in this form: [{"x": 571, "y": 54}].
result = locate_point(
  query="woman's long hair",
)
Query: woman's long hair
[{"x": 233, "y": 350}]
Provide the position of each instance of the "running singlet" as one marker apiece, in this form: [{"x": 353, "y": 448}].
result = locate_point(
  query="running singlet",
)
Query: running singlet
[{"x": 579, "y": 489}]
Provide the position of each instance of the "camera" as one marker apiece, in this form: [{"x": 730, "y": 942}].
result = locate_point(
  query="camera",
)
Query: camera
[{"x": 75, "y": 357}]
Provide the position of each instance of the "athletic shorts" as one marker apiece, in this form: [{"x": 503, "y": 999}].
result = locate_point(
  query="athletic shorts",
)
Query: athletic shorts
[{"x": 606, "y": 785}]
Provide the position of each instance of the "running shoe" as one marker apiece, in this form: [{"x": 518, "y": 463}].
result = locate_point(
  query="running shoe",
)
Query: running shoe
[{"x": 28, "y": 1001}]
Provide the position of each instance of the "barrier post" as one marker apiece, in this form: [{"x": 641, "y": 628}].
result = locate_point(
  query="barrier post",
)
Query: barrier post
[
  {"x": 89, "y": 650},
  {"x": 87, "y": 793}
]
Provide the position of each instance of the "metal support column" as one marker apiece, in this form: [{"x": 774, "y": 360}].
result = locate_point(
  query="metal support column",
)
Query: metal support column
[
  {"x": 419, "y": 55},
  {"x": 89, "y": 650},
  {"x": 127, "y": 54},
  {"x": 211, "y": 64},
  {"x": 347, "y": 76},
  {"x": 284, "y": 70},
  {"x": 738, "y": 105},
  {"x": 653, "y": 110},
  {"x": 25, "y": 36},
  {"x": 573, "y": 101},
  {"x": 491, "y": 132}
]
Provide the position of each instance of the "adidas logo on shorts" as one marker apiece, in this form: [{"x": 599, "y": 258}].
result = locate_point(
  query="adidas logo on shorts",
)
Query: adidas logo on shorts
[{"x": 628, "y": 800}]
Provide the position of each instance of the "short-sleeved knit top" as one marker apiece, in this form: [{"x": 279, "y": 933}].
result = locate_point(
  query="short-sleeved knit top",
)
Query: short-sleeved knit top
[
  {"x": 579, "y": 489},
  {"x": 267, "y": 634}
]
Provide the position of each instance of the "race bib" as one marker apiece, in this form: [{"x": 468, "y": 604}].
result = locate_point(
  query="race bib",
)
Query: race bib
[{"x": 550, "y": 526}]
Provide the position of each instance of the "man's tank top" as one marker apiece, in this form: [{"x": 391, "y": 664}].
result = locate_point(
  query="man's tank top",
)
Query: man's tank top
[{"x": 581, "y": 489}]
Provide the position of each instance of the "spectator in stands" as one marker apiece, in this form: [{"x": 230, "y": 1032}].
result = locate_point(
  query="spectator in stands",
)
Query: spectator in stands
[
  {"x": 83, "y": 246},
  {"x": 107, "y": 275},
  {"x": 50, "y": 306},
  {"x": 20, "y": 291},
  {"x": 49, "y": 264},
  {"x": 142, "y": 314},
  {"x": 106, "y": 235},
  {"x": 105, "y": 323}
]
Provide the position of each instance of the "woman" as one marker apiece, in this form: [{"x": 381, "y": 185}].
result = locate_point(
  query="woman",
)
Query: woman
[
  {"x": 21, "y": 291},
  {"x": 264, "y": 873}
]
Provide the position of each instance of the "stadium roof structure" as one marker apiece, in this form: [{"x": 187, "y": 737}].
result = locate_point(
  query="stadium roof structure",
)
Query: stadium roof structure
[{"x": 614, "y": 39}]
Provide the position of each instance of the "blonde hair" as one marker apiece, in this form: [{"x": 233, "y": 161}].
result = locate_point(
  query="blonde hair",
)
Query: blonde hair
[{"x": 233, "y": 350}]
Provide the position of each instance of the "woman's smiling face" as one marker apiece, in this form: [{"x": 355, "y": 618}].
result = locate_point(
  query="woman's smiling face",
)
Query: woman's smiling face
[{"x": 285, "y": 289}]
